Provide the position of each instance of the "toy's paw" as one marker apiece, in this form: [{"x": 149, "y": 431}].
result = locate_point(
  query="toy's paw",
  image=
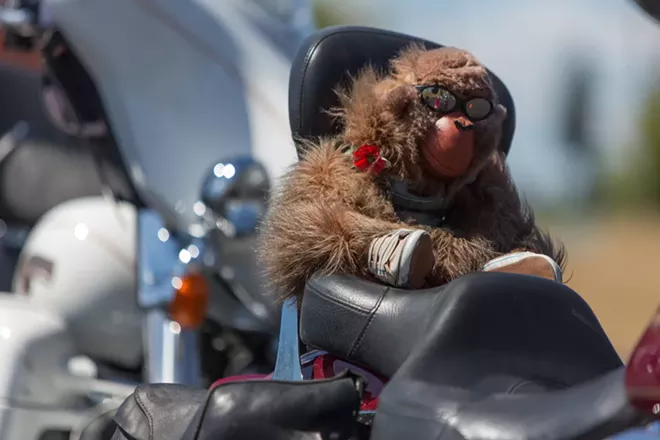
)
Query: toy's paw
[
  {"x": 526, "y": 263},
  {"x": 402, "y": 258}
]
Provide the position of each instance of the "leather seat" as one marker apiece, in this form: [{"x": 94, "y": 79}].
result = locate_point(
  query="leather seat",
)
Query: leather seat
[
  {"x": 412, "y": 406},
  {"x": 39, "y": 175},
  {"x": 268, "y": 410},
  {"x": 48, "y": 168},
  {"x": 491, "y": 328},
  {"x": 505, "y": 357}
]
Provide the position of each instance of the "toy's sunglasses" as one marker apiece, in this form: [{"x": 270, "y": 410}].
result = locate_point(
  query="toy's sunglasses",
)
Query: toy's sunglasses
[{"x": 443, "y": 101}]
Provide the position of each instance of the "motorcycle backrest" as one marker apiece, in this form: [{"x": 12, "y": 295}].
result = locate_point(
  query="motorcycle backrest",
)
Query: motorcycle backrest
[{"x": 332, "y": 56}]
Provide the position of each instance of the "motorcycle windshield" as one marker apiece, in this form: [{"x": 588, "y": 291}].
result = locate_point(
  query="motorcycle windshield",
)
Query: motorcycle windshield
[{"x": 185, "y": 84}]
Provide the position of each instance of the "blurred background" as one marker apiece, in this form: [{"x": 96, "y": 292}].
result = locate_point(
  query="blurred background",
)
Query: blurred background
[{"x": 585, "y": 77}]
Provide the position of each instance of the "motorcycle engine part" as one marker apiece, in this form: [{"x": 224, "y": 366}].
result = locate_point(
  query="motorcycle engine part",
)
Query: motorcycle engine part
[{"x": 79, "y": 261}]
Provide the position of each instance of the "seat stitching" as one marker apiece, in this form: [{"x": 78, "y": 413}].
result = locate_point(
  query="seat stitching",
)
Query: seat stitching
[
  {"x": 146, "y": 412},
  {"x": 372, "y": 315},
  {"x": 330, "y": 298}
]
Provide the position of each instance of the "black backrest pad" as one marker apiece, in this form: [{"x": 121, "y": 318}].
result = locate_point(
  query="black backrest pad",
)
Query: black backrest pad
[{"x": 331, "y": 56}]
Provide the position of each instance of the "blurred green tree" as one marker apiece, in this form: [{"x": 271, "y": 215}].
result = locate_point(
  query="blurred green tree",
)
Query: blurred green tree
[
  {"x": 326, "y": 14},
  {"x": 338, "y": 12},
  {"x": 577, "y": 136},
  {"x": 638, "y": 185},
  {"x": 650, "y": 143}
]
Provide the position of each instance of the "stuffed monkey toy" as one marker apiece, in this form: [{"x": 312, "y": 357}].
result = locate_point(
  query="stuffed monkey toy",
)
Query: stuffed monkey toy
[{"x": 414, "y": 192}]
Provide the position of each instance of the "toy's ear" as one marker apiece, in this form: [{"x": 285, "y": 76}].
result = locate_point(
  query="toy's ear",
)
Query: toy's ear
[
  {"x": 404, "y": 66},
  {"x": 500, "y": 112},
  {"x": 395, "y": 97}
]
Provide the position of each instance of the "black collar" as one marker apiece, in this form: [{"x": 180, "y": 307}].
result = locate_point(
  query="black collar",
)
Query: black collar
[{"x": 430, "y": 211}]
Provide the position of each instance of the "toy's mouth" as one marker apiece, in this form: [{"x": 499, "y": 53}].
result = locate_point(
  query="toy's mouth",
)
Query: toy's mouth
[{"x": 448, "y": 149}]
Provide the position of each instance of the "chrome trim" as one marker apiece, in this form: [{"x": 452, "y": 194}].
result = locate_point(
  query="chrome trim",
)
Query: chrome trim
[
  {"x": 158, "y": 260},
  {"x": 171, "y": 354},
  {"x": 287, "y": 365}
]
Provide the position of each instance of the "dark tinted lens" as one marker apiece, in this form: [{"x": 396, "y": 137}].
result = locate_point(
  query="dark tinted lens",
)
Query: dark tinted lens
[
  {"x": 478, "y": 108},
  {"x": 438, "y": 99}
]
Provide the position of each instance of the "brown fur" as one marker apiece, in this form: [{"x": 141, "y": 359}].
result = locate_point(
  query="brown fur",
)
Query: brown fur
[{"x": 326, "y": 213}]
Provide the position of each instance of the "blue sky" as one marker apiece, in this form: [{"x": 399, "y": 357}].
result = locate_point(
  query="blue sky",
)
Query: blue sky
[{"x": 527, "y": 42}]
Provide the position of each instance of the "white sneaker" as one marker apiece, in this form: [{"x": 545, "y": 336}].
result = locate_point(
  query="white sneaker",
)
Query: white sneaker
[
  {"x": 402, "y": 258},
  {"x": 528, "y": 263}
]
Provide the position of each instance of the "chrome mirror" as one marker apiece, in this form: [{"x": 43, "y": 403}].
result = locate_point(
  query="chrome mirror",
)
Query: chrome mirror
[{"x": 235, "y": 195}]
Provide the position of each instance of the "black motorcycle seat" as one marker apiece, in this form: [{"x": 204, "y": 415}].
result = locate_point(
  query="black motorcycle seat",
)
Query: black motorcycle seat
[
  {"x": 413, "y": 406},
  {"x": 489, "y": 325},
  {"x": 258, "y": 409},
  {"x": 158, "y": 411},
  {"x": 39, "y": 175}
]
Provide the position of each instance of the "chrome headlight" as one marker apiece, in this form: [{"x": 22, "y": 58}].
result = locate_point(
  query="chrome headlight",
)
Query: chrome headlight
[{"x": 235, "y": 195}]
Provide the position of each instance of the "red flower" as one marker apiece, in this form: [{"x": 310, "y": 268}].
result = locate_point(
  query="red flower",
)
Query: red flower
[{"x": 367, "y": 158}]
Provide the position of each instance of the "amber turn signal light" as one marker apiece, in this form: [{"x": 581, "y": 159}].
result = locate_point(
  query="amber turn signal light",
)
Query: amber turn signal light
[{"x": 190, "y": 300}]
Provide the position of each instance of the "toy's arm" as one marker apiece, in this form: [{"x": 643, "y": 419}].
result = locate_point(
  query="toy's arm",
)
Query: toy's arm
[
  {"x": 513, "y": 226},
  {"x": 490, "y": 220},
  {"x": 323, "y": 220}
]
